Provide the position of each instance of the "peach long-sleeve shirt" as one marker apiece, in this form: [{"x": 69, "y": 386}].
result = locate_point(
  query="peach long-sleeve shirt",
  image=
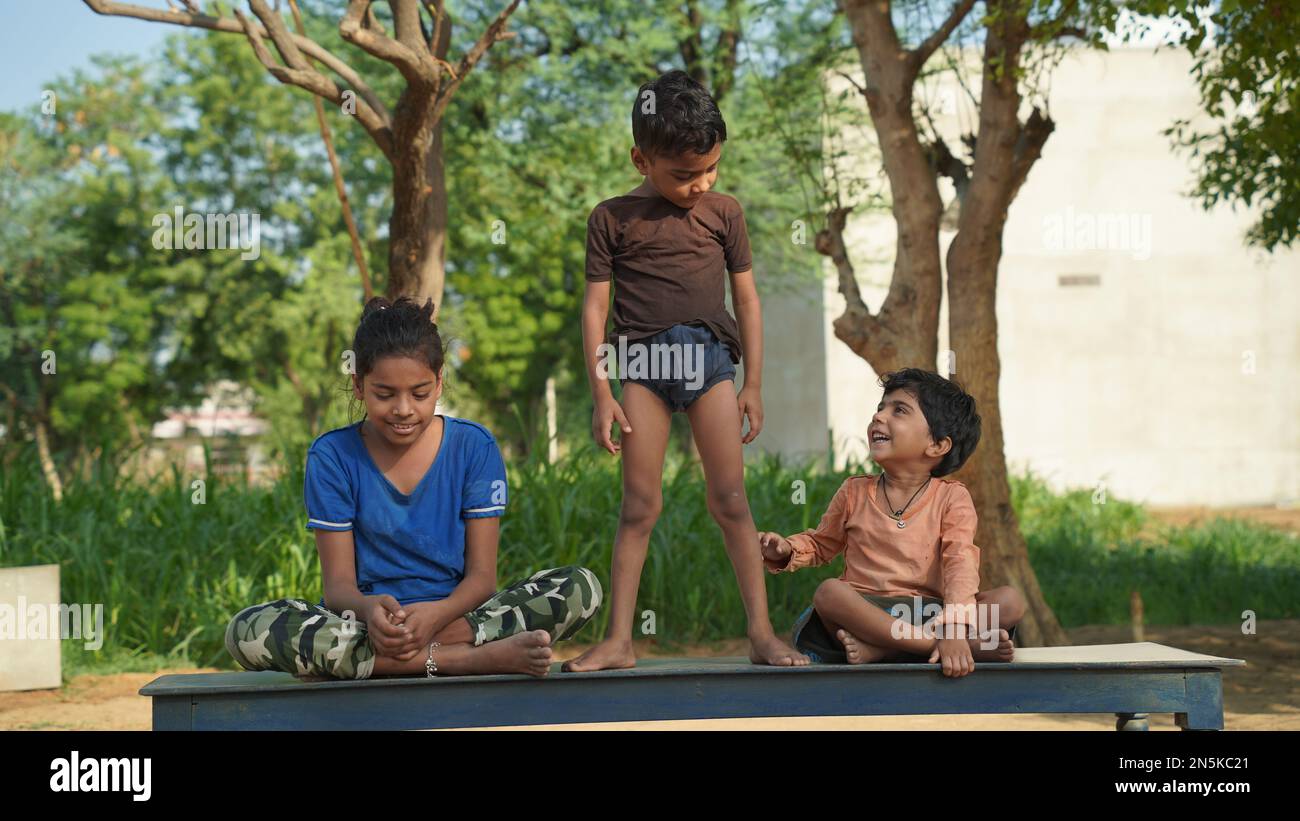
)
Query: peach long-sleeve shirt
[{"x": 934, "y": 555}]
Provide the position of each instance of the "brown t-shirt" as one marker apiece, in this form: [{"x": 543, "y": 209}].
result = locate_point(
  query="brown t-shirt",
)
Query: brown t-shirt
[{"x": 669, "y": 264}]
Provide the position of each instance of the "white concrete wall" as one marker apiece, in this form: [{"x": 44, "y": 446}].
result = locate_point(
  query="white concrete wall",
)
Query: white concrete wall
[{"x": 1172, "y": 378}]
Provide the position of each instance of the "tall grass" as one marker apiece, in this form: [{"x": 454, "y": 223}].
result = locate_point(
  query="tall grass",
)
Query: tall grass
[
  {"x": 1090, "y": 556},
  {"x": 170, "y": 572}
]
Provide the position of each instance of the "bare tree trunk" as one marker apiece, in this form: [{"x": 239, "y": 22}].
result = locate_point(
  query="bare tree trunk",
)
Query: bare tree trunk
[
  {"x": 973, "y": 327},
  {"x": 1005, "y": 151},
  {"x": 47, "y": 461},
  {"x": 904, "y": 331},
  {"x": 418, "y": 226}
]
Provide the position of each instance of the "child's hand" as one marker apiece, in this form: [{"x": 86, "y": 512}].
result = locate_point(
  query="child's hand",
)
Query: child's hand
[
  {"x": 384, "y": 624},
  {"x": 955, "y": 655},
  {"x": 421, "y": 618},
  {"x": 774, "y": 547},
  {"x": 751, "y": 405},
  {"x": 608, "y": 411}
]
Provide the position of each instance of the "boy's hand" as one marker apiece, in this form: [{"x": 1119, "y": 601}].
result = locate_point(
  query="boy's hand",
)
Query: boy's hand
[
  {"x": 608, "y": 411},
  {"x": 750, "y": 401},
  {"x": 774, "y": 547},
  {"x": 955, "y": 655},
  {"x": 384, "y": 624}
]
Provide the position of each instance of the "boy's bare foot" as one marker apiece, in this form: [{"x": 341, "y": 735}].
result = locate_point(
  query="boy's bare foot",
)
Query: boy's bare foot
[
  {"x": 610, "y": 654},
  {"x": 771, "y": 650},
  {"x": 858, "y": 651},
  {"x": 1005, "y": 651}
]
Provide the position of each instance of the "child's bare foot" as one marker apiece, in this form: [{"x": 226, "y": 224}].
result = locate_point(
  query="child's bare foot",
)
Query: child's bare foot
[
  {"x": 858, "y": 651},
  {"x": 771, "y": 650},
  {"x": 528, "y": 652},
  {"x": 1005, "y": 651},
  {"x": 610, "y": 654}
]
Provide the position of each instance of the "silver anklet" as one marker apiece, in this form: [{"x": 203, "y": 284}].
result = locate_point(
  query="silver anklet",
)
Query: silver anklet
[{"x": 431, "y": 666}]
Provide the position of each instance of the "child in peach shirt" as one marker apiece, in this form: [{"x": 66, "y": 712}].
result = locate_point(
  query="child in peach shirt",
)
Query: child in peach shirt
[{"x": 908, "y": 539}]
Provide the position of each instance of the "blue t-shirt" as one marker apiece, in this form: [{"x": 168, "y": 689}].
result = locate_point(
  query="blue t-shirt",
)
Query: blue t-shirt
[{"x": 410, "y": 547}]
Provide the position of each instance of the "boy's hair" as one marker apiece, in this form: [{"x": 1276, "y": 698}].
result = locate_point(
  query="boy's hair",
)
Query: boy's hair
[
  {"x": 399, "y": 328},
  {"x": 948, "y": 410},
  {"x": 677, "y": 115}
]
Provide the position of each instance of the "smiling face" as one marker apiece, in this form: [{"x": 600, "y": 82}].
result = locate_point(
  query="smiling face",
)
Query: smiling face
[
  {"x": 681, "y": 180},
  {"x": 401, "y": 396},
  {"x": 899, "y": 433}
]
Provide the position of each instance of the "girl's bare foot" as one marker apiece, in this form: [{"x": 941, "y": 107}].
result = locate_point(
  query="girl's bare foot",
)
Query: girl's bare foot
[
  {"x": 1005, "y": 651},
  {"x": 528, "y": 652},
  {"x": 771, "y": 650},
  {"x": 858, "y": 651},
  {"x": 610, "y": 654}
]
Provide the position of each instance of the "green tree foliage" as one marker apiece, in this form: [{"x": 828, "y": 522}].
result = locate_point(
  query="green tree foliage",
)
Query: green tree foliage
[{"x": 1247, "y": 68}]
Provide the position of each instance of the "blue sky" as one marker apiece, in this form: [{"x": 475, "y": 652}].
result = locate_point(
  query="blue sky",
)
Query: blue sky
[{"x": 42, "y": 39}]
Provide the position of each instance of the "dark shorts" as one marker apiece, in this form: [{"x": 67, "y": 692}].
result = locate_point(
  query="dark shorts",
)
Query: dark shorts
[
  {"x": 683, "y": 374},
  {"x": 811, "y": 637}
]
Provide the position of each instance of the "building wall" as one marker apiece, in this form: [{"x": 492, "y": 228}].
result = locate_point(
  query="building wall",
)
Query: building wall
[{"x": 1145, "y": 349}]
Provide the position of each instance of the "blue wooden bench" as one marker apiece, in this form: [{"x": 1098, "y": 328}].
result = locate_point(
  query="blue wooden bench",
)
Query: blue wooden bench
[{"x": 1129, "y": 680}]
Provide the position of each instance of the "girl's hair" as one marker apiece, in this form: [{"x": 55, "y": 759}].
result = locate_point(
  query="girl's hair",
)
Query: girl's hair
[{"x": 399, "y": 328}]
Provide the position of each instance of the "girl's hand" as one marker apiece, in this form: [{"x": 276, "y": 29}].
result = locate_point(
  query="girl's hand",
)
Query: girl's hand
[
  {"x": 421, "y": 619},
  {"x": 608, "y": 411},
  {"x": 751, "y": 405},
  {"x": 774, "y": 547},
  {"x": 384, "y": 624}
]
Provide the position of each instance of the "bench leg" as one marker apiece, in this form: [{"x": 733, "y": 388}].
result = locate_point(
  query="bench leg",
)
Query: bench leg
[
  {"x": 1131, "y": 722},
  {"x": 1204, "y": 702}
]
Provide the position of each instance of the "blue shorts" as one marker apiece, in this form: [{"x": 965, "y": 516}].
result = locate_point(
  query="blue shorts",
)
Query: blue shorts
[{"x": 692, "y": 373}]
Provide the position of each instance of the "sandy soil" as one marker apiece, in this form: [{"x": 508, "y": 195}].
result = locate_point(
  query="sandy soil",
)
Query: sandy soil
[
  {"x": 1282, "y": 518},
  {"x": 1265, "y": 694}
]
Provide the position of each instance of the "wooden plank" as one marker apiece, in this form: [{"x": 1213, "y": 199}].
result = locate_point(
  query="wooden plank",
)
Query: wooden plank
[
  {"x": 1139, "y": 656},
  {"x": 566, "y": 699},
  {"x": 1126, "y": 679}
]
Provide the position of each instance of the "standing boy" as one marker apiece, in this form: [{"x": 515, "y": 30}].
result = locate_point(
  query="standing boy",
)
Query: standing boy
[{"x": 667, "y": 246}]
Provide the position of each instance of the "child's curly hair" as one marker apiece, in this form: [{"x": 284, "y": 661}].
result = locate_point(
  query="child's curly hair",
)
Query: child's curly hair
[
  {"x": 948, "y": 410},
  {"x": 682, "y": 116}
]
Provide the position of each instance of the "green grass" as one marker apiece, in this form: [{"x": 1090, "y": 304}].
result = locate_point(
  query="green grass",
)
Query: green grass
[{"x": 170, "y": 573}]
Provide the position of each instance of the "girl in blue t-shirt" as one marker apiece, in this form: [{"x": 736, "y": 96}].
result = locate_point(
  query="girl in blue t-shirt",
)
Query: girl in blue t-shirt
[{"x": 405, "y": 507}]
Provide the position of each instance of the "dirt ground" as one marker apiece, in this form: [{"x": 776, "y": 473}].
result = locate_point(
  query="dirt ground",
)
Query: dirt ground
[
  {"x": 1265, "y": 694},
  {"x": 1282, "y": 518}
]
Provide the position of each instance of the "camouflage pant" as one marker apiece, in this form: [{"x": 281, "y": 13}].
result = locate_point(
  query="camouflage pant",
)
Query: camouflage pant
[{"x": 295, "y": 636}]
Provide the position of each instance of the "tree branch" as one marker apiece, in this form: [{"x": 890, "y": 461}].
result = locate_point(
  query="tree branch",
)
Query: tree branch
[
  {"x": 194, "y": 19},
  {"x": 340, "y": 188},
  {"x": 406, "y": 24},
  {"x": 949, "y": 165},
  {"x": 725, "y": 49},
  {"x": 1029, "y": 147},
  {"x": 917, "y": 56},
  {"x": 493, "y": 33},
  {"x": 414, "y": 64},
  {"x": 830, "y": 242},
  {"x": 299, "y": 72}
]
